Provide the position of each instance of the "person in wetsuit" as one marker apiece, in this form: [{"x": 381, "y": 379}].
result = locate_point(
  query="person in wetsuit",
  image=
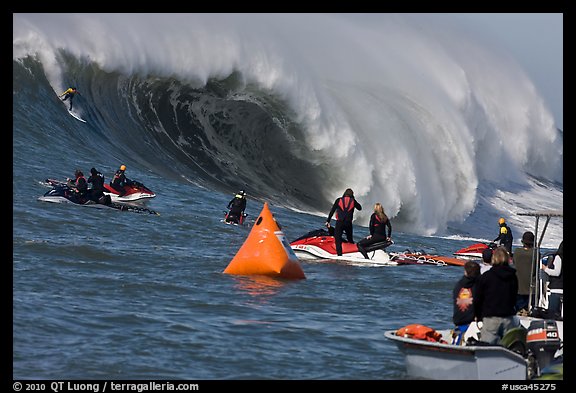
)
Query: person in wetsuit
[
  {"x": 237, "y": 206},
  {"x": 344, "y": 209},
  {"x": 505, "y": 236},
  {"x": 79, "y": 187},
  {"x": 379, "y": 221},
  {"x": 120, "y": 180},
  {"x": 69, "y": 94},
  {"x": 97, "y": 191}
]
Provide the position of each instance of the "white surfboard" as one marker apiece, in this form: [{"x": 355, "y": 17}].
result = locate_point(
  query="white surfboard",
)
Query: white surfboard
[{"x": 76, "y": 116}]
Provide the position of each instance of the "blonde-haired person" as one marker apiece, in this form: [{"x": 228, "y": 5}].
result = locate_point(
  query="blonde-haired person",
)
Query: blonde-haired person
[
  {"x": 379, "y": 221},
  {"x": 495, "y": 298}
]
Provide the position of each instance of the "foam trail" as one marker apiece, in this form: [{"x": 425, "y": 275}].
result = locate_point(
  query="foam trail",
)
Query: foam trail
[{"x": 405, "y": 112}]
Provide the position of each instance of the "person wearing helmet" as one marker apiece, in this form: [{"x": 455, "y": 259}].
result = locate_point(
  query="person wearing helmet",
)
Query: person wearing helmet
[
  {"x": 70, "y": 93},
  {"x": 236, "y": 208},
  {"x": 120, "y": 180},
  {"x": 505, "y": 236}
]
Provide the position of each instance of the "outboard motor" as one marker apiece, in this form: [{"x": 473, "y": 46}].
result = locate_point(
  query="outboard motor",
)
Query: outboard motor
[{"x": 543, "y": 341}]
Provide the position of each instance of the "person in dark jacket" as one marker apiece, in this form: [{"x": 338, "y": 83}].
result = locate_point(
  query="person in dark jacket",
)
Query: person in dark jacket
[
  {"x": 379, "y": 221},
  {"x": 463, "y": 298},
  {"x": 97, "y": 191},
  {"x": 237, "y": 206},
  {"x": 555, "y": 283},
  {"x": 505, "y": 235},
  {"x": 344, "y": 209},
  {"x": 495, "y": 298}
]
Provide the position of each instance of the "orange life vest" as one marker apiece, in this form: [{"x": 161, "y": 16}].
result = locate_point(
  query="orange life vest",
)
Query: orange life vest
[{"x": 420, "y": 332}]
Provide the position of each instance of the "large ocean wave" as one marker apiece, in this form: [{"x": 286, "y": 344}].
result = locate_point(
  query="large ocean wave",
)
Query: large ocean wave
[{"x": 296, "y": 108}]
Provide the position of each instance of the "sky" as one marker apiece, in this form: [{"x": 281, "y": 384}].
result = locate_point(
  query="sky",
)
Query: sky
[{"x": 535, "y": 40}]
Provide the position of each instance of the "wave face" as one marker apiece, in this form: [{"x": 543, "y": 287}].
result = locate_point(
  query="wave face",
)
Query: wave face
[{"x": 296, "y": 108}]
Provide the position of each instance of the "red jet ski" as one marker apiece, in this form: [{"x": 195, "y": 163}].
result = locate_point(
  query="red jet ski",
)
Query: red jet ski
[
  {"x": 134, "y": 192},
  {"x": 473, "y": 252},
  {"x": 320, "y": 244}
]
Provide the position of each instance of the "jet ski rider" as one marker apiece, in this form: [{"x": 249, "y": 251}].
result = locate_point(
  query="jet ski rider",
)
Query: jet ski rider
[
  {"x": 120, "y": 180},
  {"x": 97, "y": 190},
  {"x": 379, "y": 221},
  {"x": 79, "y": 186},
  {"x": 505, "y": 236},
  {"x": 237, "y": 206}
]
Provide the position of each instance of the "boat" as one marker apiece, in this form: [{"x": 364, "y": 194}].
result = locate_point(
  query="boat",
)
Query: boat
[
  {"x": 538, "y": 342},
  {"x": 320, "y": 244},
  {"x": 135, "y": 192},
  {"x": 61, "y": 193}
]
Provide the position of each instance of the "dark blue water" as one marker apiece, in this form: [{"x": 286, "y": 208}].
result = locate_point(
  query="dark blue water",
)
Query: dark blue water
[{"x": 102, "y": 294}]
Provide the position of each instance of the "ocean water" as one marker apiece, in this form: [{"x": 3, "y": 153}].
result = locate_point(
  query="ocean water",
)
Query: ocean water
[{"x": 103, "y": 294}]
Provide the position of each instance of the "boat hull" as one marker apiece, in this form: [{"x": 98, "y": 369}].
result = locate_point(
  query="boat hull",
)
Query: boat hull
[{"x": 432, "y": 360}]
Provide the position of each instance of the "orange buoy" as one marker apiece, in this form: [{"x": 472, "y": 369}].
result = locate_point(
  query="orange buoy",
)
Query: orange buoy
[{"x": 266, "y": 251}]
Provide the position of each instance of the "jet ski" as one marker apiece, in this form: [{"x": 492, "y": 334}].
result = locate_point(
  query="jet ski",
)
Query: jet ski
[
  {"x": 232, "y": 219},
  {"x": 61, "y": 193},
  {"x": 320, "y": 244},
  {"x": 473, "y": 252},
  {"x": 134, "y": 192}
]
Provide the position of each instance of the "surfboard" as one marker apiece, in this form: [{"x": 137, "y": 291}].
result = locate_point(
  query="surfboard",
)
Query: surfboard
[{"x": 76, "y": 116}]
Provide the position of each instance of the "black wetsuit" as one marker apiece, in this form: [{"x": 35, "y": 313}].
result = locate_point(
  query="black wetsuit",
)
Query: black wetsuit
[
  {"x": 118, "y": 182},
  {"x": 237, "y": 207},
  {"x": 80, "y": 188},
  {"x": 97, "y": 190},
  {"x": 505, "y": 238},
  {"x": 344, "y": 208},
  {"x": 377, "y": 232}
]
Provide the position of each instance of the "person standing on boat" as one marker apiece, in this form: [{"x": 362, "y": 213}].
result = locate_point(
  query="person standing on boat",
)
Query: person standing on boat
[
  {"x": 523, "y": 265},
  {"x": 486, "y": 263},
  {"x": 463, "y": 298},
  {"x": 555, "y": 283},
  {"x": 379, "y": 221},
  {"x": 495, "y": 298},
  {"x": 344, "y": 209},
  {"x": 505, "y": 235}
]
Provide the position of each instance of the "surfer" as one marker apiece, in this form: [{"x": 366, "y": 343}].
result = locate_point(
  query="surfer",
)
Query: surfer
[
  {"x": 97, "y": 190},
  {"x": 70, "y": 93}
]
